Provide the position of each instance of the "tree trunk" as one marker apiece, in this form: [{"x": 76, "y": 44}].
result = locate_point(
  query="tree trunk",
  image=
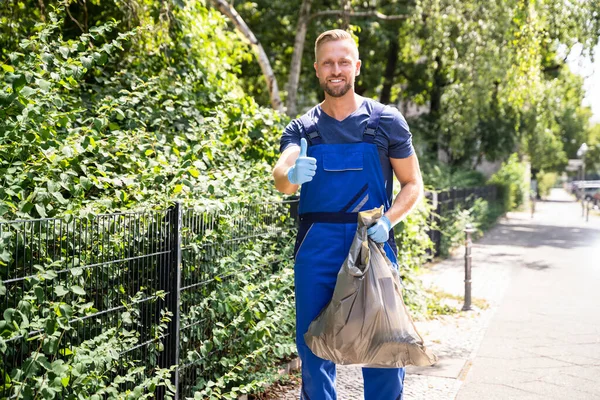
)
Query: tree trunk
[
  {"x": 435, "y": 104},
  {"x": 436, "y": 91},
  {"x": 346, "y": 9},
  {"x": 294, "y": 77},
  {"x": 390, "y": 72},
  {"x": 261, "y": 56}
]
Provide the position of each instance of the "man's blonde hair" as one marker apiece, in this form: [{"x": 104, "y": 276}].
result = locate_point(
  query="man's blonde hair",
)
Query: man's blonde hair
[{"x": 333, "y": 35}]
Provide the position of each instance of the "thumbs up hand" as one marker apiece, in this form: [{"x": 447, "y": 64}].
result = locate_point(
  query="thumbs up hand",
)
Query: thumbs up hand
[{"x": 305, "y": 167}]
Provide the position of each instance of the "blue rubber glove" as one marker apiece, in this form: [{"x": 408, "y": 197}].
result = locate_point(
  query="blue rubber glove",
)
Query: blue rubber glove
[
  {"x": 305, "y": 167},
  {"x": 380, "y": 232}
]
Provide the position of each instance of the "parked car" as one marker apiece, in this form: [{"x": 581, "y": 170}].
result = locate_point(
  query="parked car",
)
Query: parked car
[
  {"x": 596, "y": 198},
  {"x": 588, "y": 193}
]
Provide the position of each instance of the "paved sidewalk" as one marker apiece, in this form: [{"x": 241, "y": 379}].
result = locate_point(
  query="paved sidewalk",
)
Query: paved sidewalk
[
  {"x": 517, "y": 243},
  {"x": 544, "y": 341}
]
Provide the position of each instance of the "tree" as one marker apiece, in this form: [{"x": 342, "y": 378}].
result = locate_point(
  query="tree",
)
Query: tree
[{"x": 262, "y": 58}]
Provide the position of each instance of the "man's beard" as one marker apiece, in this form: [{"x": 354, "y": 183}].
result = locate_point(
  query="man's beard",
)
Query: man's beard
[{"x": 338, "y": 91}]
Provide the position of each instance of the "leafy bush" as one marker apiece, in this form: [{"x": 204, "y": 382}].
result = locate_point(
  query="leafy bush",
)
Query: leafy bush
[
  {"x": 511, "y": 183},
  {"x": 480, "y": 216},
  {"x": 546, "y": 181},
  {"x": 105, "y": 124},
  {"x": 242, "y": 319},
  {"x": 59, "y": 362},
  {"x": 440, "y": 176},
  {"x": 414, "y": 250}
]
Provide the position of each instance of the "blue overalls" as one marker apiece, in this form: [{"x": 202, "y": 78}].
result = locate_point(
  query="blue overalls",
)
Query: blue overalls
[{"x": 349, "y": 179}]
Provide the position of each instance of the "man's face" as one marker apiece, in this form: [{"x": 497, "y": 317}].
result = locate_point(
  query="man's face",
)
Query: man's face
[{"x": 337, "y": 66}]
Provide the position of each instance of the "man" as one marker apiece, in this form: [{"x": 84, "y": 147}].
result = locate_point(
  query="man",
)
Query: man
[{"x": 342, "y": 152}]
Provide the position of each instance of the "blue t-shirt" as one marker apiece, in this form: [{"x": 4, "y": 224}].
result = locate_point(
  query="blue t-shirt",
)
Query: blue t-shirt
[{"x": 393, "y": 137}]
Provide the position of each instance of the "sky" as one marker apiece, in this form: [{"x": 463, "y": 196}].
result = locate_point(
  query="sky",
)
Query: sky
[{"x": 583, "y": 66}]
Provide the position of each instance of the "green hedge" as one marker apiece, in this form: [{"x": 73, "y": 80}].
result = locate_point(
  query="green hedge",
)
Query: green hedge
[{"x": 511, "y": 182}]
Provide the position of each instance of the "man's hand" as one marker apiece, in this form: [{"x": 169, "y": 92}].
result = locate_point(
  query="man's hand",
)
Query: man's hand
[
  {"x": 380, "y": 232},
  {"x": 304, "y": 168}
]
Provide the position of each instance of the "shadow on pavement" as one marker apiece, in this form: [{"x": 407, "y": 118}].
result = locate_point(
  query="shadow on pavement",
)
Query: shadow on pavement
[
  {"x": 556, "y": 201},
  {"x": 537, "y": 265},
  {"x": 541, "y": 235}
]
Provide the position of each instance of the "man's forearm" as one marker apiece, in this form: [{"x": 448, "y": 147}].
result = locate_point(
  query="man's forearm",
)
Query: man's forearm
[
  {"x": 405, "y": 201},
  {"x": 282, "y": 183},
  {"x": 287, "y": 159}
]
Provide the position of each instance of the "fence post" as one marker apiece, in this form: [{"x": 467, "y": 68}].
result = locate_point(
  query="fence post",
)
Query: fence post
[
  {"x": 439, "y": 198},
  {"x": 174, "y": 286},
  {"x": 295, "y": 200}
]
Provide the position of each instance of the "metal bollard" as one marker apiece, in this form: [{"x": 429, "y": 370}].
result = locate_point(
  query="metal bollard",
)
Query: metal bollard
[
  {"x": 587, "y": 211},
  {"x": 468, "y": 231}
]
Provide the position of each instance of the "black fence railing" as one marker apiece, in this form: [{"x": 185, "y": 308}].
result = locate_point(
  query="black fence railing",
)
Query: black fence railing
[
  {"x": 156, "y": 266},
  {"x": 445, "y": 202},
  {"x": 105, "y": 269}
]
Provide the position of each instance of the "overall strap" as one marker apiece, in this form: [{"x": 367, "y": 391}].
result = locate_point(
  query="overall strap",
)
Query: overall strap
[
  {"x": 373, "y": 123},
  {"x": 310, "y": 130}
]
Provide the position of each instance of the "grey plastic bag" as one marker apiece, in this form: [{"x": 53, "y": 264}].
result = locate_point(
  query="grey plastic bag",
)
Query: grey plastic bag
[{"x": 366, "y": 322}]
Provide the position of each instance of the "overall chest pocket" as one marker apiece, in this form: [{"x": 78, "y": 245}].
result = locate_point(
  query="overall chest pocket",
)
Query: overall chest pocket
[{"x": 336, "y": 162}]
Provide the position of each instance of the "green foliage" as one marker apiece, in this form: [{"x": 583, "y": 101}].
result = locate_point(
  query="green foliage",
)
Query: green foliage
[
  {"x": 414, "y": 250},
  {"x": 490, "y": 73},
  {"x": 242, "y": 321},
  {"x": 62, "y": 363},
  {"x": 546, "y": 181},
  {"x": 440, "y": 176},
  {"x": 88, "y": 123},
  {"x": 481, "y": 216},
  {"x": 592, "y": 157},
  {"x": 512, "y": 185}
]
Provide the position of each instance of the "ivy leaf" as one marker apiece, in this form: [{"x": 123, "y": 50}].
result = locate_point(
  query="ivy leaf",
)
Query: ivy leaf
[
  {"x": 65, "y": 352},
  {"x": 5, "y": 257},
  {"x": 39, "y": 294},
  {"x": 60, "y": 290},
  {"x": 86, "y": 62},
  {"x": 8, "y": 315},
  {"x": 43, "y": 84},
  {"x": 85, "y": 182},
  {"x": 18, "y": 81},
  {"x": 27, "y": 91},
  {"x": 126, "y": 317},
  {"x": 78, "y": 290},
  {"x": 49, "y": 275},
  {"x": 64, "y": 51},
  {"x": 194, "y": 172},
  {"x": 41, "y": 210},
  {"x": 53, "y": 187},
  {"x": 57, "y": 101},
  {"x": 47, "y": 57},
  {"x": 7, "y": 68}
]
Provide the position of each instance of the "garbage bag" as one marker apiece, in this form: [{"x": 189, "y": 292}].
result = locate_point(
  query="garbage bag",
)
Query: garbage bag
[{"x": 366, "y": 322}]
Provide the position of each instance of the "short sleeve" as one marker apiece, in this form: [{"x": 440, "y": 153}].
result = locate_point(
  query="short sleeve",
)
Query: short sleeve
[
  {"x": 400, "y": 138},
  {"x": 291, "y": 135}
]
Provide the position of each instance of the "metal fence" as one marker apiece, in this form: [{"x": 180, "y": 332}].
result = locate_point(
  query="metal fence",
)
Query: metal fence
[
  {"x": 111, "y": 266},
  {"x": 446, "y": 201},
  {"x": 147, "y": 263}
]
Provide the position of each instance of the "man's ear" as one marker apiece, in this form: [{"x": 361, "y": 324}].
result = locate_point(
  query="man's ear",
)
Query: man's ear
[
  {"x": 358, "y": 63},
  {"x": 316, "y": 70}
]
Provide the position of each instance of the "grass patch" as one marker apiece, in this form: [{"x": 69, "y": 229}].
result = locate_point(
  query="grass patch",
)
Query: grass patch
[{"x": 444, "y": 303}]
